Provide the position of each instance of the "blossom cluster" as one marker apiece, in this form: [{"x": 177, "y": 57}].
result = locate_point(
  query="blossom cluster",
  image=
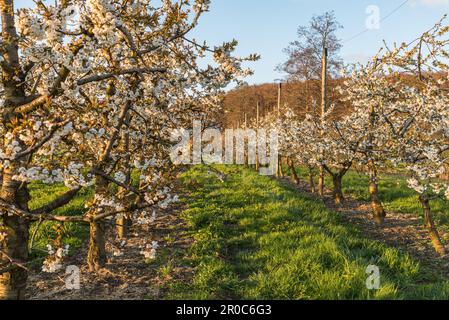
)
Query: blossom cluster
[
  {"x": 54, "y": 261},
  {"x": 92, "y": 101},
  {"x": 149, "y": 250}
]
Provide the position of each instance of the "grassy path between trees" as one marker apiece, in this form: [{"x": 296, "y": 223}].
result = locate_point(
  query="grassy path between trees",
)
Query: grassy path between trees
[
  {"x": 393, "y": 191},
  {"x": 258, "y": 238}
]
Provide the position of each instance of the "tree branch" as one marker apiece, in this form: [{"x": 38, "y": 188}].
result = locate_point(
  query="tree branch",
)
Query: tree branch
[
  {"x": 36, "y": 147},
  {"x": 105, "y": 76},
  {"x": 58, "y": 203}
]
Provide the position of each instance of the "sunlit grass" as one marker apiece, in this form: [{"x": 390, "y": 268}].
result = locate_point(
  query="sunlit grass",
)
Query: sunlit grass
[
  {"x": 72, "y": 234},
  {"x": 394, "y": 193},
  {"x": 257, "y": 238}
]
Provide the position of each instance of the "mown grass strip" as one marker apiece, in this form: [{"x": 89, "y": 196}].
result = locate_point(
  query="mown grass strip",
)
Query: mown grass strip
[{"x": 257, "y": 238}]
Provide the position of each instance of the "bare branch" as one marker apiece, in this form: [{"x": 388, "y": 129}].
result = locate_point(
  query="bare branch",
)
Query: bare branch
[
  {"x": 120, "y": 184},
  {"x": 37, "y": 146},
  {"x": 57, "y": 203}
]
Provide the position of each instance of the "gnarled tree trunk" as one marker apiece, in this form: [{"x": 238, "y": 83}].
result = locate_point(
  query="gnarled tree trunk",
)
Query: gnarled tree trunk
[
  {"x": 337, "y": 178},
  {"x": 279, "y": 171},
  {"x": 14, "y": 247},
  {"x": 122, "y": 227},
  {"x": 96, "y": 256},
  {"x": 312, "y": 180},
  {"x": 294, "y": 174},
  {"x": 321, "y": 181},
  {"x": 379, "y": 213},
  {"x": 337, "y": 188},
  {"x": 430, "y": 225},
  {"x": 123, "y": 221}
]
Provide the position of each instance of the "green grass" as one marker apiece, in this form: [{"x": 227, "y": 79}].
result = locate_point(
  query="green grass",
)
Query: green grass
[
  {"x": 257, "y": 238},
  {"x": 72, "y": 234}
]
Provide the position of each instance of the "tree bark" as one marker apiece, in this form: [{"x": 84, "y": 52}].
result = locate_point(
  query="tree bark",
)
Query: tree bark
[
  {"x": 337, "y": 188},
  {"x": 96, "y": 256},
  {"x": 379, "y": 213},
  {"x": 15, "y": 245},
  {"x": 430, "y": 225},
  {"x": 321, "y": 181},
  {"x": 122, "y": 227},
  {"x": 14, "y": 248},
  {"x": 337, "y": 178},
  {"x": 295, "y": 176},
  {"x": 13, "y": 282},
  {"x": 312, "y": 180},
  {"x": 279, "y": 171},
  {"x": 123, "y": 221}
]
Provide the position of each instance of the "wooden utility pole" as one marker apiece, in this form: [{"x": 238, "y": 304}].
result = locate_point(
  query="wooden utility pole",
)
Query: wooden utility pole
[
  {"x": 246, "y": 127},
  {"x": 323, "y": 111},
  {"x": 257, "y": 114},
  {"x": 324, "y": 85},
  {"x": 257, "y": 134},
  {"x": 279, "y": 98},
  {"x": 279, "y": 172},
  {"x": 307, "y": 95}
]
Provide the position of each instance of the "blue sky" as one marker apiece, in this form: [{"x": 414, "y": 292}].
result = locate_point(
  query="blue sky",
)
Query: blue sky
[{"x": 267, "y": 26}]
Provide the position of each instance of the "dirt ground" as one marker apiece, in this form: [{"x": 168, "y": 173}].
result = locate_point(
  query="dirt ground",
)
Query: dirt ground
[{"x": 126, "y": 277}]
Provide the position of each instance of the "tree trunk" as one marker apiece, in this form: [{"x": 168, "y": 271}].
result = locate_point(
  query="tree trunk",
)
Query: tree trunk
[
  {"x": 15, "y": 246},
  {"x": 376, "y": 205},
  {"x": 13, "y": 282},
  {"x": 321, "y": 181},
  {"x": 295, "y": 176},
  {"x": 96, "y": 257},
  {"x": 430, "y": 225},
  {"x": 337, "y": 190},
  {"x": 281, "y": 168},
  {"x": 279, "y": 171},
  {"x": 122, "y": 227},
  {"x": 122, "y": 221},
  {"x": 312, "y": 180}
]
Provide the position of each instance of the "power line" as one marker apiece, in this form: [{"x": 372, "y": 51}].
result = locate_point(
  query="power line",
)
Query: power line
[
  {"x": 394, "y": 11},
  {"x": 381, "y": 20},
  {"x": 356, "y": 36}
]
